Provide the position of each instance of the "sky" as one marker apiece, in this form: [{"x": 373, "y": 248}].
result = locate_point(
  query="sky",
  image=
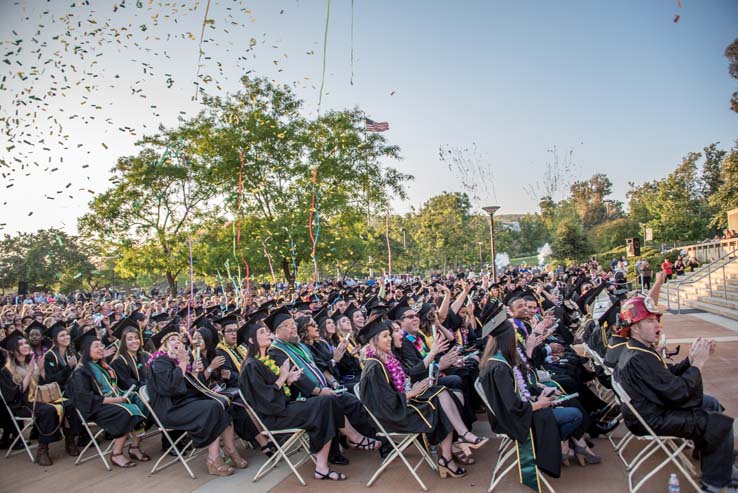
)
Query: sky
[{"x": 598, "y": 87}]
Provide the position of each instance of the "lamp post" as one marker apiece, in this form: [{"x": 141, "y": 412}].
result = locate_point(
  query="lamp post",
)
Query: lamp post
[{"x": 491, "y": 211}]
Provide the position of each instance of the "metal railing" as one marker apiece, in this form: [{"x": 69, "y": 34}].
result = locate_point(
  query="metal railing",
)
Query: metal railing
[{"x": 706, "y": 271}]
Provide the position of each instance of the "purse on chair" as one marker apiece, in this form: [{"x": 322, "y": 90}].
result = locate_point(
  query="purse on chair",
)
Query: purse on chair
[{"x": 48, "y": 393}]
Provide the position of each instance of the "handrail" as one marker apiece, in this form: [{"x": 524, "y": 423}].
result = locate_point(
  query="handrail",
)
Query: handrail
[{"x": 709, "y": 269}]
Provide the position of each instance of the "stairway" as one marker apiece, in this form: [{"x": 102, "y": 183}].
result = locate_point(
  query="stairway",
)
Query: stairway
[{"x": 722, "y": 299}]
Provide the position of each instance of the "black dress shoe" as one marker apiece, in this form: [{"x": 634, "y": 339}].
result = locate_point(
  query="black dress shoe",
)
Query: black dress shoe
[
  {"x": 338, "y": 460},
  {"x": 605, "y": 427}
]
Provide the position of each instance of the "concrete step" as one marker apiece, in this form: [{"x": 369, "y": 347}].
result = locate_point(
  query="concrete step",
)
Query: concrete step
[
  {"x": 711, "y": 308},
  {"x": 722, "y": 302}
]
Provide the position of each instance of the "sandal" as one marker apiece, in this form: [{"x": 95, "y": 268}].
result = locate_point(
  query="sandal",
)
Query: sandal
[
  {"x": 139, "y": 456},
  {"x": 127, "y": 465},
  {"x": 366, "y": 443},
  {"x": 269, "y": 449},
  {"x": 332, "y": 475},
  {"x": 465, "y": 443},
  {"x": 237, "y": 461},
  {"x": 444, "y": 470},
  {"x": 463, "y": 459},
  {"x": 218, "y": 468}
]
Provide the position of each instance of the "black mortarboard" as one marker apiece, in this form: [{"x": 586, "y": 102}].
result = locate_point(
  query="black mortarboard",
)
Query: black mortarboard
[
  {"x": 397, "y": 311},
  {"x": 610, "y": 317},
  {"x": 248, "y": 329},
  {"x": 498, "y": 325},
  {"x": 350, "y": 310},
  {"x": 590, "y": 296},
  {"x": 54, "y": 330},
  {"x": 213, "y": 310},
  {"x": 121, "y": 325},
  {"x": 11, "y": 340},
  {"x": 183, "y": 312},
  {"x": 512, "y": 295},
  {"x": 83, "y": 340},
  {"x": 494, "y": 319},
  {"x": 373, "y": 327},
  {"x": 321, "y": 315},
  {"x": 229, "y": 318},
  {"x": 277, "y": 317},
  {"x": 425, "y": 309},
  {"x": 36, "y": 325},
  {"x": 300, "y": 306},
  {"x": 160, "y": 317},
  {"x": 170, "y": 328}
]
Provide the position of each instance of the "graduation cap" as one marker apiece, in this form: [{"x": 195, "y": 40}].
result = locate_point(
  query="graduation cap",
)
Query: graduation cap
[
  {"x": 212, "y": 311},
  {"x": 425, "y": 309},
  {"x": 300, "y": 306},
  {"x": 10, "y": 343},
  {"x": 83, "y": 340},
  {"x": 248, "y": 329},
  {"x": 277, "y": 316},
  {"x": 53, "y": 331},
  {"x": 229, "y": 318},
  {"x": 160, "y": 317},
  {"x": 121, "y": 325},
  {"x": 158, "y": 338},
  {"x": 397, "y": 311},
  {"x": 137, "y": 316},
  {"x": 267, "y": 305},
  {"x": 183, "y": 312},
  {"x": 350, "y": 310},
  {"x": 373, "y": 327},
  {"x": 610, "y": 317},
  {"x": 380, "y": 309},
  {"x": 495, "y": 324},
  {"x": 35, "y": 325},
  {"x": 513, "y": 295},
  {"x": 590, "y": 296},
  {"x": 321, "y": 315}
]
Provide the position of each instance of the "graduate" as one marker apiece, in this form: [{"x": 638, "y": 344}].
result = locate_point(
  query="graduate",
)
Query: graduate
[
  {"x": 59, "y": 361},
  {"x": 183, "y": 403},
  {"x": 229, "y": 348},
  {"x": 268, "y": 388},
  {"x": 130, "y": 360},
  {"x": 423, "y": 407},
  {"x": 95, "y": 393}
]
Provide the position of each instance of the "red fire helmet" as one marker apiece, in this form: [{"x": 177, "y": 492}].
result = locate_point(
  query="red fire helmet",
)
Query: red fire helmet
[{"x": 637, "y": 308}]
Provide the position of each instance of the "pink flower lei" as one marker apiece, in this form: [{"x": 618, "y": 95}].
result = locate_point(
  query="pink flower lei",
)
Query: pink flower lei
[
  {"x": 160, "y": 353},
  {"x": 394, "y": 367}
]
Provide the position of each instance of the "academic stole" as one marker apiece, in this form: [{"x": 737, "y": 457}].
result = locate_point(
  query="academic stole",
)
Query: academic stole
[
  {"x": 236, "y": 353},
  {"x": 527, "y": 469}
]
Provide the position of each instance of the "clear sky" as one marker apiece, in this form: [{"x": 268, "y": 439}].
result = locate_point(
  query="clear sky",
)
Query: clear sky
[{"x": 616, "y": 87}]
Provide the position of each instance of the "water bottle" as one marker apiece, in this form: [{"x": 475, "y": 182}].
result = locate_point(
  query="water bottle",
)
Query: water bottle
[{"x": 673, "y": 483}]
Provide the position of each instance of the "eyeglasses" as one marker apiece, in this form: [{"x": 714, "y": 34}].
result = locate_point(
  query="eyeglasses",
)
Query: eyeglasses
[
  {"x": 414, "y": 315},
  {"x": 230, "y": 331}
]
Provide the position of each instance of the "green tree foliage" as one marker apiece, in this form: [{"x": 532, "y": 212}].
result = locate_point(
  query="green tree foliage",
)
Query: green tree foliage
[
  {"x": 731, "y": 53},
  {"x": 726, "y": 196},
  {"x": 49, "y": 258},
  {"x": 570, "y": 243},
  {"x": 588, "y": 197},
  {"x": 612, "y": 234}
]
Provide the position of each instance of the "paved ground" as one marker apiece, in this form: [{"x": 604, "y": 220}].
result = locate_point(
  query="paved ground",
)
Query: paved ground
[{"x": 18, "y": 473}]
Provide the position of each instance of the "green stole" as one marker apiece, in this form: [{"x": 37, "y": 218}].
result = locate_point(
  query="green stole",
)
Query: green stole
[
  {"x": 527, "y": 469},
  {"x": 108, "y": 389},
  {"x": 301, "y": 357}
]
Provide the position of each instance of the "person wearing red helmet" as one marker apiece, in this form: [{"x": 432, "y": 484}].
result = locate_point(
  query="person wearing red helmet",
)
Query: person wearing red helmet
[{"x": 670, "y": 397}]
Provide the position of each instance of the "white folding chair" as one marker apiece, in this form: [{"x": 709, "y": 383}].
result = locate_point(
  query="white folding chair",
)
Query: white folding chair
[
  {"x": 174, "y": 445},
  {"x": 87, "y": 425},
  {"x": 27, "y": 423},
  {"x": 505, "y": 452},
  {"x": 399, "y": 442},
  {"x": 296, "y": 440},
  {"x": 672, "y": 447}
]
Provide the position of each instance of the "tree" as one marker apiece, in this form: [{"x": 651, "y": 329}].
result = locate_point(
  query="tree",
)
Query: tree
[
  {"x": 731, "y": 53},
  {"x": 589, "y": 200},
  {"x": 676, "y": 207},
  {"x": 47, "y": 258},
  {"x": 726, "y": 196},
  {"x": 612, "y": 234},
  {"x": 155, "y": 197},
  {"x": 570, "y": 242}
]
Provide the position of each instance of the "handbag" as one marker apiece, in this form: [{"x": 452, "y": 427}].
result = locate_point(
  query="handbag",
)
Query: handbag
[{"x": 48, "y": 393}]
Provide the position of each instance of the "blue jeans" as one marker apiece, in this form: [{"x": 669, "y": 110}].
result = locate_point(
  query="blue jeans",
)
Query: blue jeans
[{"x": 568, "y": 419}]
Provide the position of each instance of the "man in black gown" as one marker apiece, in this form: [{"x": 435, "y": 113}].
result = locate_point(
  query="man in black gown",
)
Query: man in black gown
[{"x": 670, "y": 397}]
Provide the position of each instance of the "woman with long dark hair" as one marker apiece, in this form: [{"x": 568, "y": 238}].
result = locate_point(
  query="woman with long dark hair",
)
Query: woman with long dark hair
[
  {"x": 130, "y": 359},
  {"x": 423, "y": 407},
  {"x": 95, "y": 393}
]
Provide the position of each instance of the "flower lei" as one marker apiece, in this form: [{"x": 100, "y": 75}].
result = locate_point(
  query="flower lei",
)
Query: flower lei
[
  {"x": 269, "y": 363},
  {"x": 160, "y": 353},
  {"x": 394, "y": 367},
  {"x": 521, "y": 384}
]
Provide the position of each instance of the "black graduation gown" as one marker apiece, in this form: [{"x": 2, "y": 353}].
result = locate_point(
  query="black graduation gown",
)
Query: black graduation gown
[
  {"x": 87, "y": 397},
  {"x": 516, "y": 418},
  {"x": 129, "y": 371},
  {"x": 230, "y": 364},
  {"x": 422, "y": 414},
  {"x": 182, "y": 405},
  {"x": 319, "y": 416},
  {"x": 615, "y": 347},
  {"x": 56, "y": 368},
  {"x": 668, "y": 397},
  {"x": 323, "y": 358}
]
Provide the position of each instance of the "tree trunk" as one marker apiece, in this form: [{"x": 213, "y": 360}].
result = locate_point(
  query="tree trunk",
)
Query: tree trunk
[
  {"x": 289, "y": 273},
  {"x": 172, "y": 281}
]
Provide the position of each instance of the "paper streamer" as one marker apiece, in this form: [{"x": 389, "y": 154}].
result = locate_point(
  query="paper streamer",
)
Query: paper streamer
[
  {"x": 389, "y": 249},
  {"x": 240, "y": 250},
  {"x": 199, "y": 49},
  {"x": 314, "y": 214},
  {"x": 325, "y": 50},
  {"x": 351, "y": 80}
]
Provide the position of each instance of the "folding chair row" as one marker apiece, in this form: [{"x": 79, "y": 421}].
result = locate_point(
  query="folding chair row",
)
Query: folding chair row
[
  {"x": 507, "y": 457},
  {"x": 27, "y": 423},
  {"x": 673, "y": 448},
  {"x": 399, "y": 442}
]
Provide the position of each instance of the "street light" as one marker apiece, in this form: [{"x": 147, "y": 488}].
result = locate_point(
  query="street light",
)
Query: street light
[{"x": 491, "y": 211}]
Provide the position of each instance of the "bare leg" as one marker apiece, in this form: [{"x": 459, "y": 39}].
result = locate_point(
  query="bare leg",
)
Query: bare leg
[
  {"x": 118, "y": 444},
  {"x": 446, "y": 451},
  {"x": 214, "y": 450},
  {"x": 356, "y": 437},
  {"x": 449, "y": 407}
]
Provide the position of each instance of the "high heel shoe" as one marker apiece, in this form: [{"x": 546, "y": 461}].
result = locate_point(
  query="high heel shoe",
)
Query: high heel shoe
[
  {"x": 565, "y": 458},
  {"x": 444, "y": 469},
  {"x": 237, "y": 461},
  {"x": 219, "y": 468},
  {"x": 467, "y": 445},
  {"x": 585, "y": 456}
]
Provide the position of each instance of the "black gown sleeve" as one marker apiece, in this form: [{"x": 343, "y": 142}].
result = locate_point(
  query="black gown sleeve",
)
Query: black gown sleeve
[
  {"x": 167, "y": 378},
  {"x": 55, "y": 371},
  {"x": 257, "y": 385},
  {"x": 232, "y": 380},
  {"x": 83, "y": 394},
  {"x": 303, "y": 385},
  {"x": 12, "y": 392},
  {"x": 673, "y": 391},
  {"x": 512, "y": 415},
  {"x": 123, "y": 372}
]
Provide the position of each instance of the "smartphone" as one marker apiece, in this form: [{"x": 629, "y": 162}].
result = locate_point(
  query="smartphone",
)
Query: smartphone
[
  {"x": 434, "y": 332},
  {"x": 471, "y": 355},
  {"x": 197, "y": 354},
  {"x": 129, "y": 391},
  {"x": 548, "y": 391}
]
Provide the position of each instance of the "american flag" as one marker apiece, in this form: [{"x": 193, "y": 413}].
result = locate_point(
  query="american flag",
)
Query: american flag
[{"x": 372, "y": 126}]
